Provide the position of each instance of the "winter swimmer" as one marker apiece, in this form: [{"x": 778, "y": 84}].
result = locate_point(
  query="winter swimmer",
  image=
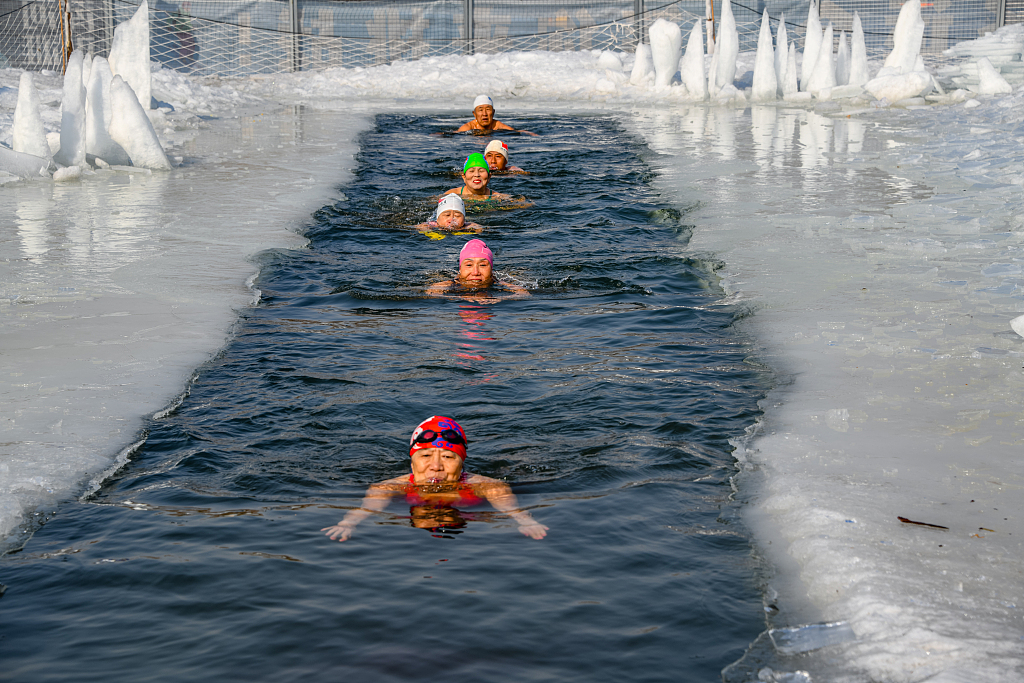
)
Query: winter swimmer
[
  {"x": 476, "y": 276},
  {"x": 483, "y": 119},
  {"x": 476, "y": 174},
  {"x": 496, "y": 156},
  {"x": 450, "y": 216},
  {"x": 437, "y": 451}
]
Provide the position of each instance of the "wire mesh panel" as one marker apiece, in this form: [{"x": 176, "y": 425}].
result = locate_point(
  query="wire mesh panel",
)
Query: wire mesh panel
[
  {"x": 31, "y": 35},
  {"x": 1014, "y": 12},
  {"x": 238, "y": 37}
]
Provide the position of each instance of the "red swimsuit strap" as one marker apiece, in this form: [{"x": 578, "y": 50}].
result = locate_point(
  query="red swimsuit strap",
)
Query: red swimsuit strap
[{"x": 467, "y": 496}]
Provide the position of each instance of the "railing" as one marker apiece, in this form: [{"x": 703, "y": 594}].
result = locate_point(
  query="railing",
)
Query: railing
[{"x": 238, "y": 37}]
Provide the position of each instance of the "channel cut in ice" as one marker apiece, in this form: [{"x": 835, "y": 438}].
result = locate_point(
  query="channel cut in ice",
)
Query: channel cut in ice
[{"x": 868, "y": 214}]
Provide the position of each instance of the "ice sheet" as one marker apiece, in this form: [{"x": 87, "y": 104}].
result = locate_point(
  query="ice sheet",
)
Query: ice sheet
[
  {"x": 117, "y": 287},
  {"x": 881, "y": 256}
]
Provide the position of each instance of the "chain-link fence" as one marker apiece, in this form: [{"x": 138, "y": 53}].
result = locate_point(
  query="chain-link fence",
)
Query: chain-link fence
[{"x": 238, "y": 37}]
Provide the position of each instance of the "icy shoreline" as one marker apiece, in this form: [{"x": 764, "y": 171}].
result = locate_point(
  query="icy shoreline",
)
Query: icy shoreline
[
  {"x": 118, "y": 287},
  {"x": 881, "y": 255}
]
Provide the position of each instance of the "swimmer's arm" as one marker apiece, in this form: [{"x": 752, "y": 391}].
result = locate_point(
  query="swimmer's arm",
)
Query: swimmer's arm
[
  {"x": 376, "y": 500},
  {"x": 475, "y": 227},
  {"x": 437, "y": 289},
  {"x": 518, "y": 292},
  {"x": 498, "y": 125},
  {"x": 522, "y": 202},
  {"x": 501, "y": 497},
  {"x": 466, "y": 126}
]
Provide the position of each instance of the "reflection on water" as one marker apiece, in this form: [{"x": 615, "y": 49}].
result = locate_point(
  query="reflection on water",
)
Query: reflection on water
[{"x": 796, "y": 155}]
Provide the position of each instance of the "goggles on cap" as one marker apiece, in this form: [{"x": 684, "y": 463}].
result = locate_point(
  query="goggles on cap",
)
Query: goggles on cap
[{"x": 449, "y": 435}]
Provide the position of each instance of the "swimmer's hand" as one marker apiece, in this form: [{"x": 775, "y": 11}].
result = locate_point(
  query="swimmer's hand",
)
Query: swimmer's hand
[
  {"x": 340, "y": 531},
  {"x": 533, "y": 530}
]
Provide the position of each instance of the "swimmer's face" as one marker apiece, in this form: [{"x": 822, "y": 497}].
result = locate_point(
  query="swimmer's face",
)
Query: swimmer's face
[
  {"x": 436, "y": 466},
  {"x": 484, "y": 115},
  {"x": 451, "y": 219},
  {"x": 496, "y": 160},
  {"x": 475, "y": 272},
  {"x": 476, "y": 178}
]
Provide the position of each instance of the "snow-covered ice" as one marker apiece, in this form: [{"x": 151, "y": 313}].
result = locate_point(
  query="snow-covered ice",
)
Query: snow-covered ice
[
  {"x": 812, "y": 43},
  {"x": 131, "y": 128},
  {"x": 691, "y": 66},
  {"x": 129, "y": 53},
  {"x": 28, "y": 135},
  {"x": 766, "y": 85},
  {"x": 666, "y": 42},
  {"x": 72, "y": 114},
  {"x": 881, "y": 257},
  {"x": 98, "y": 115}
]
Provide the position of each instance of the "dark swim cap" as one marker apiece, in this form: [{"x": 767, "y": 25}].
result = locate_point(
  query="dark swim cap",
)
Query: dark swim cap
[{"x": 476, "y": 159}]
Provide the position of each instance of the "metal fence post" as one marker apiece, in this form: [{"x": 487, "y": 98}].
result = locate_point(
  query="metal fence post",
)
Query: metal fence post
[
  {"x": 638, "y": 12},
  {"x": 1001, "y": 16},
  {"x": 293, "y": 7},
  {"x": 470, "y": 21}
]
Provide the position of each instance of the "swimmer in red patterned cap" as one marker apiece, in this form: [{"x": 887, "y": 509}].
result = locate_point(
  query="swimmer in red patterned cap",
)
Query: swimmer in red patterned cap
[{"x": 437, "y": 450}]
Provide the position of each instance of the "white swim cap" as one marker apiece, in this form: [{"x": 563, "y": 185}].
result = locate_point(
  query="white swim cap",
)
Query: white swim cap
[
  {"x": 482, "y": 99},
  {"x": 497, "y": 146},
  {"x": 451, "y": 202}
]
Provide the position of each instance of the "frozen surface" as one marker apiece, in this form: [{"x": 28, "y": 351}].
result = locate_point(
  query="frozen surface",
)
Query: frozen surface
[
  {"x": 879, "y": 251},
  {"x": 72, "y": 114},
  {"x": 823, "y": 75},
  {"x": 812, "y": 43},
  {"x": 643, "y": 65},
  {"x": 881, "y": 255},
  {"x": 115, "y": 288},
  {"x": 99, "y": 114},
  {"x": 28, "y": 134},
  {"x": 859, "y": 73},
  {"x": 129, "y": 54},
  {"x": 907, "y": 36},
  {"x": 691, "y": 66},
  {"x": 727, "y": 46},
  {"x": 132, "y": 130},
  {"x": 666, "y": 41},
  {"x": 766, "y": 83},
  {"x": 990, "y": 82}
]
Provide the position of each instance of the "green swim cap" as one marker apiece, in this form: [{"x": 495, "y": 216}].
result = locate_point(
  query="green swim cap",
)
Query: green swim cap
[{"x": 475, "y": 159}]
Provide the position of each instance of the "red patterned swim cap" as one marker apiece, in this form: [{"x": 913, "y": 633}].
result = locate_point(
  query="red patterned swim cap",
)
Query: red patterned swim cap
[{"x": 439, "y": 432}]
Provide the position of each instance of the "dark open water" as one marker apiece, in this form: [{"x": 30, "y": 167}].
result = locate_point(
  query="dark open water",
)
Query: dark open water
[{"x": 606, "y": 400}]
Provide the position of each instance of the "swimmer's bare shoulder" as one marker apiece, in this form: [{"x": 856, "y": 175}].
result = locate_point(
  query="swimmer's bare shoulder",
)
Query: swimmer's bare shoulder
[{"x": 474, "y": 125}]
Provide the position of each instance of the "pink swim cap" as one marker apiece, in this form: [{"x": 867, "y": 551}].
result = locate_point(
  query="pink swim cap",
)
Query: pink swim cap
[{"x": 476, "y": 249}]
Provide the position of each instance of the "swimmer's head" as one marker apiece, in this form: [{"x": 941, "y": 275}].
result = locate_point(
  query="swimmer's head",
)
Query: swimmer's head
[
  {"x": 475, "y": 160},
  {"x": 476, "y": 264},
  {"x": 451, "y": 211},
  {"x": 476, "y": 248},
  {"x": 496, "y": 155},
  {"x": 438, "y": 432},
  {"x": 476, "y": 173},
  {"x": 483, "y": 110}
]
